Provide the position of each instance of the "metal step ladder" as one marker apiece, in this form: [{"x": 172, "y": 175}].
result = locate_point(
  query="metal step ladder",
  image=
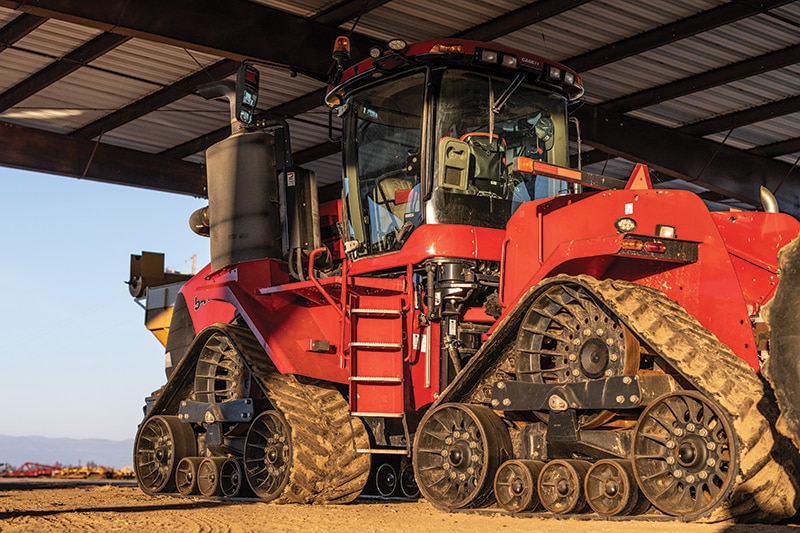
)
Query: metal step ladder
[{"x": 377, "y": 351}]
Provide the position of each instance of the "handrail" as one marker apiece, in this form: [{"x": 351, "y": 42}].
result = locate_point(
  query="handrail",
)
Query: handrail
[{"x": 317, "y": 284}]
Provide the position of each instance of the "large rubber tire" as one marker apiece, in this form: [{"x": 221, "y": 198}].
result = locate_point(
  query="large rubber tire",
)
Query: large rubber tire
[
  {"x": 328, "y": 459},
  {"x": 781, "y": 367}
]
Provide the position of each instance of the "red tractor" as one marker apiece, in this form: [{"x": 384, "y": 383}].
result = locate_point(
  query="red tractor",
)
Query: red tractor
[{"x": 470, "y": 319}]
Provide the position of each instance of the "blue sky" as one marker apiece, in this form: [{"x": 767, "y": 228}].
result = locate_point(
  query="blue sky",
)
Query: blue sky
[{"x": 76, "y": 358}]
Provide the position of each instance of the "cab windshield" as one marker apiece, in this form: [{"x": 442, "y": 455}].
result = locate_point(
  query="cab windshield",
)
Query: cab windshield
[
  {"x": 477, "y": 124},
  {"x": 482, "y": 123}
]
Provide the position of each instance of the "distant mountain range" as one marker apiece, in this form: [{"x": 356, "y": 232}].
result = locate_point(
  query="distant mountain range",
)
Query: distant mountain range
[{"x": 67, "y": 452}]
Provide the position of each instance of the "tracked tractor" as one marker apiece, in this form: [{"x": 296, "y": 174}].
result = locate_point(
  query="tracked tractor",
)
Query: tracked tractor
[{"x": 468, "y": 319}]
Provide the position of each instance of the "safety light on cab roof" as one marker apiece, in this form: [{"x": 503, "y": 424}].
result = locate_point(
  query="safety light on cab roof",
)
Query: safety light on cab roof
[
  {"x": 341, "y": 47},
  {"x": 447, "y": 48}
]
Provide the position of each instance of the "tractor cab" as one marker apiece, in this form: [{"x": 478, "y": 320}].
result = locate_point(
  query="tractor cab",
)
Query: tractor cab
[{"x": 433, "y": 134}]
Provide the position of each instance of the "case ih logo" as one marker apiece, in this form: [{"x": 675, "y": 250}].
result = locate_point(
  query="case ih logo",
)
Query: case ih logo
[{"x": 531, "y": 62}]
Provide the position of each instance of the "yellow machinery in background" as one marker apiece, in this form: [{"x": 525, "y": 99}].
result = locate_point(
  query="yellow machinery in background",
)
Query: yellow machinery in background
[{"x": 155, "y": 290}]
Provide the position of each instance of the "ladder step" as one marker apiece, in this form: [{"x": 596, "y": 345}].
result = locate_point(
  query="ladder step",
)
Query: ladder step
[
  {"x": 377, "y": 345},
  {"x": 376, "y": 312},
  {"x": 376, "y": 379},
  {"x": 377, "y": 414},
  {"x": 379, "y": 451}
]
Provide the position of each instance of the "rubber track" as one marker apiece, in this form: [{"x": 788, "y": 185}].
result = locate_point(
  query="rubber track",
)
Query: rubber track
[
  {"x": 765, "y": 489},
  {"x": 325, "y": 465}
]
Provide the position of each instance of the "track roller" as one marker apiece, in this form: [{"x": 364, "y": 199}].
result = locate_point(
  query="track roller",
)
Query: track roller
[
  {"x": 186, "y": 475},
  {"x": 386, "y": 480},
  {"x": 611, "y": 489},
  {"x": 162, "y": 441},
  {"x": 458, "y": 449},
  {"x": 219, "y": 476},
  {"x": 515, "y": 485},
  {"x": 560, "y": 486},
  {"x": 408, "y": 485}
]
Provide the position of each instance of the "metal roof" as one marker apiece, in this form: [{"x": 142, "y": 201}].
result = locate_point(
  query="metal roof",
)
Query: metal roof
[{"x": 706, "y": 92}]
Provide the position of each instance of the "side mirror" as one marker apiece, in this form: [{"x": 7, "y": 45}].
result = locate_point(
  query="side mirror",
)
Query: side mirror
[
  {"x": 246, "y": 93},
  {"x": 453, "y": 171}
]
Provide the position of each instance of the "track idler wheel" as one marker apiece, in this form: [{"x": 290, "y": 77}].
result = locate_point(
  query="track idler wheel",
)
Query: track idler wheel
[
  {"x": 684, "y": 454},
  {"x": 561, "y": 486},
  {"x": 458, "y": 449},
  {"x": 186, "y": 475},
  {"x": 611, "y": 488},
  {"x": 162, "y": 441},
  {"x": 267, "y": 455},
  {"x": 568, "y": 336},
  {"x": 515, "y": 485},
  {"x": 219, "y": 476}
]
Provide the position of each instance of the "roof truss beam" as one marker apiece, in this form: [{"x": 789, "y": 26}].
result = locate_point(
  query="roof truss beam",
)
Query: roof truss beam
[
  {"x": 60, "y": 68},
  {"x": 737, "y": 119},
  {"x": 188, "y": 85},
  {"x": 706, "y": 80},
  {"x": 518, "y": 19},
  {"x": 722, "y": 169},
  {"x": 19, "y": 28},
  {"x": 222, "y": 35},
  {"x": 42, "y": 151},
  {"x": 347, "y": 10},
  {"x": 669, "y": 33}
]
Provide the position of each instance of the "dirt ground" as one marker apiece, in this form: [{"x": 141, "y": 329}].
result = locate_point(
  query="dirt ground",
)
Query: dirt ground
[{"x": 85, "y": 506}]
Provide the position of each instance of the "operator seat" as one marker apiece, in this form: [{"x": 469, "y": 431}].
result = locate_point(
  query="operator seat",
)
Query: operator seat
[{"x": 394, "y": 201}]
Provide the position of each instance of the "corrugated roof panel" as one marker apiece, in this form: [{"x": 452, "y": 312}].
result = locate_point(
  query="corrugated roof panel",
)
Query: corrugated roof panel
[
  {"x": 278, "y": 86},
  {"x": 600, "y": 23},
  {"x": 768, "y": 131},
  {"x": 708, "y": 51},
  {"x": 56, "y": 38},
  {"x": 19, "y": 65},
  {"x": 309, "y": 129},
  {"x": 743, "y": 94},
  {"x": 88, "y": 93},
  {"x": 789, "y": 12},
  {"x": 730, "y": 141},
  {"x": 7, "y": 15},
  {"x": 179, "y": 122},
  {"x": 305, "y": 8},
  {"x": 193, "y": 116},
  {"x": 793, "y": 159},
  {"x": 159, "y": 63},
  {"x": 424, "y": 20}
]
